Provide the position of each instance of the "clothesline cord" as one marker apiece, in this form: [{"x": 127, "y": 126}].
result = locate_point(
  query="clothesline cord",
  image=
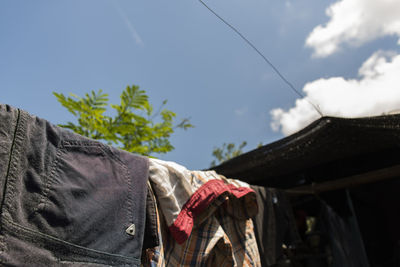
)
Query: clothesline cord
[{"x": 264, "y": 57}]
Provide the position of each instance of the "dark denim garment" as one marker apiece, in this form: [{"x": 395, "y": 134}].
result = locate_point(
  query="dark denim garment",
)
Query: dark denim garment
[
  {"x": 274, "y": 225},
  {"x": 151, "y": 238},
  {"x": 67, "y": 200}
]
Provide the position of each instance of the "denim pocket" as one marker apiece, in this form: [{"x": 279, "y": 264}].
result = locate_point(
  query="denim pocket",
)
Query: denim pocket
[
  {"x": 67, "y": 200},
  {"x": 87, "y": 199}
]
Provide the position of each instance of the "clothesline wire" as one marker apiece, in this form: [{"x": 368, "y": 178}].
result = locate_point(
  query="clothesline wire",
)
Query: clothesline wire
[{"x": 264, "y": 57}]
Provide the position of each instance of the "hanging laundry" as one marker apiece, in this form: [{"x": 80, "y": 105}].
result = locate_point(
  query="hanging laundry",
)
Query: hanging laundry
[
  {"x": 151, "y": 238},
  {"x": 204, "y": 218},
  {"x": 67, "y": 200},
  {"x": 345, "y": 241},
  {"x": 275, "y": 225}
]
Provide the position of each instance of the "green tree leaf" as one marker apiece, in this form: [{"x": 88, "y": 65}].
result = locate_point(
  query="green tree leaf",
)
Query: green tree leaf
[
  {"x": 226, "y": 152},
  {"x": 135, "y": 127}
]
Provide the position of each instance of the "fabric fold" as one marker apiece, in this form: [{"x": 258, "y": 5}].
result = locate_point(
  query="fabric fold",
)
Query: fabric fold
[{"x": 204, "y": 218}]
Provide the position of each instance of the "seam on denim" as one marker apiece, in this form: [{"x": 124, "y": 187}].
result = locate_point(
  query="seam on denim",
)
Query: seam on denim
[
  {"x": 65, "y": 145},
  {"x": 90, "y": 263},
  {"x": 49, "y": 181},
  {"x": 54, "y": 173},
  {"x": 129, "y": 202},
  {"x": 54, "y": 170},
  {"x": 46, "y": 176},
  {"x": 154, "y": 209},
  {"x": 11, "y": 172},
  {"x": 79, "y": 143},
  {"x": 20, "y": 135},
  {"x": 9, "y": 164},
  {"x": 2, "y": 245},
  {"x": 108, "y": 150},
  {"x": 79, "y": 250},
  {"x": 88, "y": 143}
]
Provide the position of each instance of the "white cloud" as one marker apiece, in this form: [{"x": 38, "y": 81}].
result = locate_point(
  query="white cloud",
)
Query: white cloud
[
  {"x": 377, "y": 91},
  {"x": 355, "y": 22}
]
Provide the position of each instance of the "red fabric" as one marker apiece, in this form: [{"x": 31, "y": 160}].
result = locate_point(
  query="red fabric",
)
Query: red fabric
[{"x": 198, "y": 202}]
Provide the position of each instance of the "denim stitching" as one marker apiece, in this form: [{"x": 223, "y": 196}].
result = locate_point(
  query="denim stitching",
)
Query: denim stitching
[
  {"x": 3, "y": 246},
  {"x": 54, "y": 173},
  {"x": 12, "y": 177},
  {"x": 79, "y": 250},
  {"x": 130, "y": 203},
  {"x": 9, "y": 183},
  {"x": 48, "y": 182},
  {"x": 89, "y": 263},
  {"x": 9, "y": 165},
  {"x": 64, "y": 144},
  {"x": 15, "y": 159}
]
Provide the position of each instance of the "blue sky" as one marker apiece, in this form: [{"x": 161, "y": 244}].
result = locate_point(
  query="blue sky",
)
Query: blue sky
[{"x": 177, "y": 50}]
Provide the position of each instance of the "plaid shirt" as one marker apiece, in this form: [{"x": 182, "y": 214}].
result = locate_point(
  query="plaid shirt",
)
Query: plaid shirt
[{"x": 213, "y": 227}]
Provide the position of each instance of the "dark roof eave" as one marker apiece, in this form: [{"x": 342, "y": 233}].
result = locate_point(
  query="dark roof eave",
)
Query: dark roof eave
[{"x": 327, "y": 142}]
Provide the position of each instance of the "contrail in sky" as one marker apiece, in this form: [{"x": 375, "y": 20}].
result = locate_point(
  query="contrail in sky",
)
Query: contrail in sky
[{"x": 135, "y": 35}]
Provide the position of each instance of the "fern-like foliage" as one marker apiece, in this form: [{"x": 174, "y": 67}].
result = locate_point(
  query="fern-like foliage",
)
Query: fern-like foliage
[{"x": 134, "y": 127}]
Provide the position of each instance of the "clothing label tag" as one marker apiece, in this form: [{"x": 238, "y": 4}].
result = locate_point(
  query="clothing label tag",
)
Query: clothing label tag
[{"x": 131, "y": 230}]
